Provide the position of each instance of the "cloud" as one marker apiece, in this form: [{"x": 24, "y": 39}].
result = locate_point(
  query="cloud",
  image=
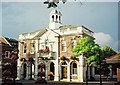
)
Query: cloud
[{"x": 102, "y": 38}]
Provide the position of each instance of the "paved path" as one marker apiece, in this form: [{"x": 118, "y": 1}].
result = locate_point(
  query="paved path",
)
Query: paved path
[{"x": 32, "y": 82}]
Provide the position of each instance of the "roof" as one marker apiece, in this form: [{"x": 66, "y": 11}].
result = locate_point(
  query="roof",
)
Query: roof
[
  {"x": 36, "y": 33},
  {"x": 7, "y": 41},
  {"x": 2, "y": 39},
  {"x": 72, "y": 26},
  {"x": 87, "y": 28},
  {"x": 113, "y": 59},
  {"x": 66, "y": 26},
  {"x": 12, "y": 42},
  {"x": 41, "y": 32},
  {"x": 117, "y": 56}
]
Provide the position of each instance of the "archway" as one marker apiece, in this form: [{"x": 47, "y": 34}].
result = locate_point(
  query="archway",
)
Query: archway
[
  {"x": 52, "y": 71},
  {"x": 24, "y": 67},
  {"x": 41, "y": 69},
  {"x": 64, "y": 70},
  {"x": 73, "y": 70}
]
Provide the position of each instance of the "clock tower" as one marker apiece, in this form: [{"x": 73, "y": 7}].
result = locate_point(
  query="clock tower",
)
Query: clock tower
[{"x": 55, "y": 19}]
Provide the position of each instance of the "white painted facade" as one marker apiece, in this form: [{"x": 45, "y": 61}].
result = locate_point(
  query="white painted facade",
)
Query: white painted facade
[{"x": 51, "y": 37}]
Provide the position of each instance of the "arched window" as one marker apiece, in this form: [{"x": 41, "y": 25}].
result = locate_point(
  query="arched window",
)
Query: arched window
[
  {"x": 53, "y": 18},
  {"x": 56, "y": 17},
  {"x": 59, "y": 18},
  {"x": 74, "y": 68},
  {"x": 24, "y": 48},
  {"x": 64, "y": 63}
]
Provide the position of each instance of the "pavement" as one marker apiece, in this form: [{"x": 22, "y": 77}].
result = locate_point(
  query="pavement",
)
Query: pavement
[{"x": 32, "y": 82}]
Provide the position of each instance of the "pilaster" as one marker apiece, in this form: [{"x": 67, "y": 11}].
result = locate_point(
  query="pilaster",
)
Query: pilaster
[
  {"x": 36, "y": 58},
  {"x": 68, "y": 73}
]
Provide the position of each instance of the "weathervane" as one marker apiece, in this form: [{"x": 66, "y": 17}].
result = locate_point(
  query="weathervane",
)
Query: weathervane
[{"x": 53, "y": 3}]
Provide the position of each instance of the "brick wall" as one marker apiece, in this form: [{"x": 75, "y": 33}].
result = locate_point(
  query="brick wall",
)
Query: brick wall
[{"x": 68, "y": 52}]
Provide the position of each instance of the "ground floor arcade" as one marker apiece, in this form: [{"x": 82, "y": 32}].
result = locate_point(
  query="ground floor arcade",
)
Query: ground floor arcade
[{"x": 56, "y": 70}]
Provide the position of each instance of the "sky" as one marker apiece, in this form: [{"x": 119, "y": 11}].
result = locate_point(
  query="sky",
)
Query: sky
[{"x": 101, "y": 17}]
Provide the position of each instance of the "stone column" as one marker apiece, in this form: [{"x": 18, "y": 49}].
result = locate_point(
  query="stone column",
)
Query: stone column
[
  {"x": 68, "y": 72},
  {"x": 56, "y": 77},
  {"x": 36, "y": 59},
  {"x": 46, "y": 71},
  {"x": 60, "y": 72},
  {"x": 27, "y": 71},
  {"x": 93, "y": 71},
  {"x": 80, "y": 69},
  {"x": 88, "y": 72},
  {"x": 21, "y": 71}
]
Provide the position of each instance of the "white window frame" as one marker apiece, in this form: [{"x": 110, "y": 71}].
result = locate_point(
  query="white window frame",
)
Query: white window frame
[
  {"x": 73, "y": 43},
  {"x": 63, "y": 44},
  {"x": 32, "y": 48},
  {"x": 75, "y": 74},
  {"x": 24, "y": 48},
  {"x": 7, "y": 54}
]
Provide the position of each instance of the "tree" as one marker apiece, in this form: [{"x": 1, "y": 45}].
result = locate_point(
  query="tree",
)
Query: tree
[
  {"x": 118, "y": 52},
  {"x": 107, "y": 52},
  {"x": 88, "y": 48}
]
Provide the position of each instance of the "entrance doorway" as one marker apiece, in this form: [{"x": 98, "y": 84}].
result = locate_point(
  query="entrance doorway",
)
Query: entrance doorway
[
  {"x": 64, "y": 70},
  {"x": 23, "y": 70},
  {"x": 52, "y": 71}
]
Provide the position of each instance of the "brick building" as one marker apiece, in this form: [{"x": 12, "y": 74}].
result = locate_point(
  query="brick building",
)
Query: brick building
[
  {"x": 7, "y": 45},
  {"x": 50, "y": 49}
]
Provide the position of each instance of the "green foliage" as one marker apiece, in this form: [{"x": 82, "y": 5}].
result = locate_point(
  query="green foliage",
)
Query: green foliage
[
  {"x": 118, "y": 52},
  {"x": 107, "y": 52},
  {"x": 87, "y": 47}
]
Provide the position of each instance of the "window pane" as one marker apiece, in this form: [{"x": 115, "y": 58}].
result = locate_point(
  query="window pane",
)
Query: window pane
[
  {"x": 63, "y": 45},
  {"x": 7, "y": 53},
  {"x": 32, "y": 48},
  {"x": 73, "y": 43},
  {"x": 24, "y": 48},
  {"x": 74, "y": 68}
]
